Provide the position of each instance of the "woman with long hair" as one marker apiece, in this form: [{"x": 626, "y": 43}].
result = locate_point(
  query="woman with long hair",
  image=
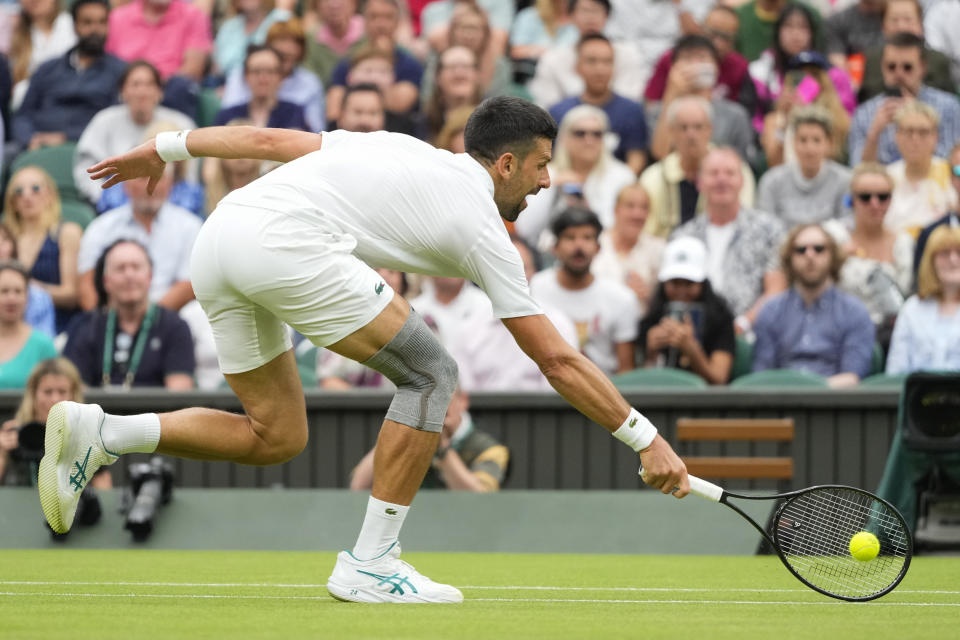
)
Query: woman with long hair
[
  {"x": 21, "y": 346},
  {"x": 540, "y": 26},
  {"x": 456, "y": 85},
  {"x": 42, "y": 31}
]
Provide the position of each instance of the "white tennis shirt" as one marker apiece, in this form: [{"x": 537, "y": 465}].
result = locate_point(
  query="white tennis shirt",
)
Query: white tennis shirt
[{"x": 406, "y": 206}]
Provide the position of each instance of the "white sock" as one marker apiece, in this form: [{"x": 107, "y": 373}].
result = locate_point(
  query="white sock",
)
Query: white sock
[
  {"x": 380, "y": 529},
  {"x": 130, "y": 434}
]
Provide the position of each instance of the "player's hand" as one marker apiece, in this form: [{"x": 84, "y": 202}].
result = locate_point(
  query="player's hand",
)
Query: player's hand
[
  {"x": 663, "y": 469},
  {"x": 139, "y": 162}
]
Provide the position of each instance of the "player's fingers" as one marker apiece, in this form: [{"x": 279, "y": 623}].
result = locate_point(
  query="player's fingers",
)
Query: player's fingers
[
  {"x": 96, "y": 172},
  {"x": 114, "y": 179},
  {"x": 682, "y": 487}
]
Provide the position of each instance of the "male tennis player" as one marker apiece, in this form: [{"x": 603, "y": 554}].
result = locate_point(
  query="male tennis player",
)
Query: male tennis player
[{"x": 299, "y": 246}]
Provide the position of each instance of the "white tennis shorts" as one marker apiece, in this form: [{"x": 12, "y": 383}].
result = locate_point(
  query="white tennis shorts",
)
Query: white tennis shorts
[{"x": 254, "y": 270}]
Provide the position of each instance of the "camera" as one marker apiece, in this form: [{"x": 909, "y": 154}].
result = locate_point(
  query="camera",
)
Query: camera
[
  {"x": 151, "y": 487},
  {"x": 30, "y": 442}
]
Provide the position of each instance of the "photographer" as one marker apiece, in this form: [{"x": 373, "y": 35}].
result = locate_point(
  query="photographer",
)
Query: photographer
[{"x": 688, "y": 326}]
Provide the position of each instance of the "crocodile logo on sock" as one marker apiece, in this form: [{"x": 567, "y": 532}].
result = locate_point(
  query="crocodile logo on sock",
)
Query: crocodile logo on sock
[
  {"x": 379, "y": 288},
  {"x": 78, "y": 479},
  {"x": 632, "y": 423},
  {"x": 391, "y": 512},
  {"x": 395, "y": 581}
]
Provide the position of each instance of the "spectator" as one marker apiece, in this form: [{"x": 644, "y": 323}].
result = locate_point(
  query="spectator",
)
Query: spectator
[
  {"x": 381, "y": 19},
  {"x": 652, "y": 26},
  {"x": 466, "y": 460},
  {"x": 939, "y": 28},
  {"x": 871, "y": 133},
  {"x": 21, "y": 345},
  {"x": 922, "y": 191},
  {"x": 695, "y": 72},
  {"x": 688, "y": 326},
  {"x": 595, "y": 64},
  {"x": 905, "y": 16},
  {"x": 172, "y": 35},
  {"x": 605, "y": 312},
  {"x": 556, "y": 76},
  {"x": 451, "y": 136},
  {"x": 811, "y": 188},
  {"x": 131, "y": 342},
  {"x": 263, "y": 73},
  {"x": 628, "y": 254},
  {"x": 813, "y": 326},
  {"x": 249, "y": 25},
  {"x": 298, "y": 85},
  {"x": 457, "y": 84},
  {"x": 46, "y": 247},
  {"x": 40, "y": 313},
  {"x": 66, "y": 92},
  {"x": 742, "y": 243},
  {"x": 851, "y": 32},
  {"x": 951, "y": 218},
  {"x": 224, "y": 175},
  {"x": 759, "y": 20},
  {"x": 363, "y": 109},
  {"x": 168, "y": 231},
  {"x": 583, "y": 172},
  {"x": 374, "y": 66},
  {"x": 119, "y": 128},
  {"x": 538, "y": 27},
  {"x": 451, "y": 304},
  {"x": 338, "y": 30},
  {"x": 44, "y": 31},
  {"x": 439, "y": 17},
  {"x": 672, "y": 182},
  {"x": 927, "y": 332}
]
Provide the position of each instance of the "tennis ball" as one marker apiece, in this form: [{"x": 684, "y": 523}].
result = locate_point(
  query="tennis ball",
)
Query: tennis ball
[{"x": 864, "y": 546}]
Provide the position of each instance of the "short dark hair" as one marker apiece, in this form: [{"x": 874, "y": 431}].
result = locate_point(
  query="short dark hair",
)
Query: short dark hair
[
  {"x": 905, "y": 40},
  {"x": 506, "y": 124},
  {"x": 694, "y": 42},
  {"x": 573, "y": 3},
  {"x": 575, "y": 217},
  {"x": 257, "y": 48},
  {"x": 75, "y": 7},
  {"x": 362, "y": 87},
  {"x": 140, "y": 64},
  {"x": 592, "y": 37}
]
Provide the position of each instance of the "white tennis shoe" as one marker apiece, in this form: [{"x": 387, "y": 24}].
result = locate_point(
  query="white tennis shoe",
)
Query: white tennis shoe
[
  {"x": 73, "y": 451},
  {"x": 386, "y": 578}
]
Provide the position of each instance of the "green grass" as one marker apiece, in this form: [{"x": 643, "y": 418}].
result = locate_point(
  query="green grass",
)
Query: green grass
[{"x": 145, "y": 595}]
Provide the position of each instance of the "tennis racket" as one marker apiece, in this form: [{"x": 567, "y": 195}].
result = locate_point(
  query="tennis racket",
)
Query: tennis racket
[{"x": 811, "y": 531}]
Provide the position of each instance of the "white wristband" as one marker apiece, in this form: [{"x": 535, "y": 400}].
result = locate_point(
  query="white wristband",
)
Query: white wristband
[
  {"x": 636, "y": 431},
  {"x": 172, "y": 145}
]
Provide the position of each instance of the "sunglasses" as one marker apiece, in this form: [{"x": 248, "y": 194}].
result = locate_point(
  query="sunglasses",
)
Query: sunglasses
[
  {"x": 906, "y": 66},
  {"x": 34, "y": 188},
  {"x": 865, "y": 196},
  {"x": 801, "y": 249},
  {"x": 583, "y": 133}
]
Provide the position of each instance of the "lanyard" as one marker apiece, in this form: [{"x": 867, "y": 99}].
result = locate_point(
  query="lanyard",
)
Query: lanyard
[{"x": 142, "y": 336}]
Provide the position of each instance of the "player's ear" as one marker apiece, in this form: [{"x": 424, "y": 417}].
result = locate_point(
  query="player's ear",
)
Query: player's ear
[{"x": 507, "y": 165}]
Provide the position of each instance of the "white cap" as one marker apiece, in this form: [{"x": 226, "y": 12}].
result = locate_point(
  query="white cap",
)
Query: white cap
[{"x": 684, "y": 259}]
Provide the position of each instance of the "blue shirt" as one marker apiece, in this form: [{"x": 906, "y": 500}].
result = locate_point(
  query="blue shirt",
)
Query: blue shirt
[
  {"x": 833, "y": 335},
  {"x": 627, "y": 121},
  {"x": 924, "y": 339},
  {"x": 406, "y": 68},
  {"x": 285, "y": 115}
]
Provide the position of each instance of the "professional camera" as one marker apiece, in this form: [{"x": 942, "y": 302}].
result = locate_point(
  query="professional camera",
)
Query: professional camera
[
  {"x": 151, "y": 486},
  {"x": 30, "y": 439}
]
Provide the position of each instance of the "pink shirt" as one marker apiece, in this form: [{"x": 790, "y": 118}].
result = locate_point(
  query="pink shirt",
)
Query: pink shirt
[
  {"x": 183, "y": 27},
  {"x": 340, "y": 45}
]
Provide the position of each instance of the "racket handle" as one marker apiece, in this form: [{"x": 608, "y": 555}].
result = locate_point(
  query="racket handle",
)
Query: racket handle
[{"x": 704, "y": 489}]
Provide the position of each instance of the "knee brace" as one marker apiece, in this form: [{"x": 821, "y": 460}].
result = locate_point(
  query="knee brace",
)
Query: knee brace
[{"x": 425, "y": 375}]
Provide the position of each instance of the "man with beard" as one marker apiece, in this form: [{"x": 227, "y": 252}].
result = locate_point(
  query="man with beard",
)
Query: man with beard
[
  {"x": 605, "y": 312},
  {"x": 65, "y": 93},
  {"x": 813, "y": 326}
]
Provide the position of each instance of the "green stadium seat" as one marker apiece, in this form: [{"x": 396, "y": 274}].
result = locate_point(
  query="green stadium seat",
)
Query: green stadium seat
[
  {"x": 877, "y": 359},
  {"x": 742, "y": 358},
  {"x": 894, "y": 381},
  {"x": 658, "y": 377},
  {"x": 208, "y": 105},
  {"x": 58, "y": 162},
  {"x": 780, "y": 378}
]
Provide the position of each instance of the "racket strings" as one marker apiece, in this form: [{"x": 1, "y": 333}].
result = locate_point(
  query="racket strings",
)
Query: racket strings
[{"x": 813, "y": 531}]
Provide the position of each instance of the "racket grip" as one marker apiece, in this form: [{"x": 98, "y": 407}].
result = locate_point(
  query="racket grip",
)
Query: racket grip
[{"x": 704, "y": 489}]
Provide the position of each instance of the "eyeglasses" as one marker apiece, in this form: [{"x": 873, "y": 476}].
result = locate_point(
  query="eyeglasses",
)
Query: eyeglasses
[
  {"x": 583, "y": 133},
  {"x": 866, "y": 196},
  {"x": 33, "y": 188},
  {"x": 801, "y": 249},
  {"x": 906, "y": 66}
]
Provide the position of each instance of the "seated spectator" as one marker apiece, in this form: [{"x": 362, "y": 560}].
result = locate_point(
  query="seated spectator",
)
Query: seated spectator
[
  {"x": 595, "y": 64},
  {"x": 652, "y": 26},
  {"x": 168, "y": 232},
  {"x": 21, "y": 346},
  {"x": 628, "y": 254},
  {"x": 811, "y": 188},
  {"x": 66, "y": 92},
  {"x": 172, "y": 35},
  {"x": 375, "y": 66},
  {"x": 922, "y": 191},
  {"x": 143, "y": 344},
  {"x": 672, "y": 182},
  {"x": 556, "y": 77},
  {"x": 439, "y": 17},
  {"x": 905, "y": 16},
  {"x": 952, "y": 218},
  {"x": 467, "y": 459},
  {"x": 249, "y": 25},
  {"x": 363, "y": 109},
  {"x": 742, "y": 244},
  {"x": 450, "y": 304},
  {"x": 381, "y": 20},
  {"x": 813, "y": 326},
  {"x": 39, "y": 313},
  {"x": 43, "y": 31},
  {"x": 451, "y": 136},
  {"x": 119, "y": 128},
  {"x": 457, "y": 84},
  {"x": 927, "y": 332},
  {"x": 695, "y": 73},
  {"x": 604, "y": 311},
  {"x": 298, "y": 85},
  {"x": 939, "y": 28},
  {"x": 46, "y": 246},
  {"x": 759, "y": 21},
  {"x": 223, "y": 175},
  {"x": 538, "y": 27},
  {"x": 688, "y": 326},
  {"x": 263, "y": 73},
  {"x": 339, "y": 28},
  {"x": 851, "y": 32},
  {"x": 872, "y": 130}
]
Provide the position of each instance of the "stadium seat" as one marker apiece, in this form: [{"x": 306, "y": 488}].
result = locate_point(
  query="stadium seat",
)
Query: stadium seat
[
  {"x": 58, "y": 162},
  {"x": 780, "y": 378},
  {"x": 883, "y": 380},
  {"x": 877, "y": 359},
  {"x": 727, "y": 430},
  {"x": 208, "y": 105},
  {"x": 742, "y": 358},
  {"x": 658, "y": 377}
]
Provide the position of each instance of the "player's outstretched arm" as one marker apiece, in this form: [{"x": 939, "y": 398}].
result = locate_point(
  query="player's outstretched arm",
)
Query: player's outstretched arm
[
  {"x": 585, "y": 387},
  {"x": 280, "y": 145}
]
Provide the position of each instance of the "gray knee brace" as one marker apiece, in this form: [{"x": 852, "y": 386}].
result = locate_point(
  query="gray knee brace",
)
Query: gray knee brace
[{"x": 425, "y": 375}]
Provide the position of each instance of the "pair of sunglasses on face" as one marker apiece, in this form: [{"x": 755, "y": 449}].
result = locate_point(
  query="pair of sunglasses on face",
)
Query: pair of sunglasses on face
[
  {"x": 801, "y": 249},
  {"x": 866, "y": 196}
]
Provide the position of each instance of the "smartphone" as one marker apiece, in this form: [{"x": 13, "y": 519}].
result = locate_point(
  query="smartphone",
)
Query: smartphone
[
  {"x": 893, "y": 92},
  {"x": 807, "y": 89}
]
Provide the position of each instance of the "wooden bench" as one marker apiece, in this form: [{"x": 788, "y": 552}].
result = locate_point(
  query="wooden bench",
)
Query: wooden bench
[{"x": 738, "y": 429}]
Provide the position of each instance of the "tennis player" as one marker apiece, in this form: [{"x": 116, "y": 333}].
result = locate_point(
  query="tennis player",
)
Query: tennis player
[{"x": 299, "y": 246}]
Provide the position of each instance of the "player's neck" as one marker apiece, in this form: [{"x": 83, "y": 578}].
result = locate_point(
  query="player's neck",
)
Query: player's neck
[{"x": 573, "y": 281}]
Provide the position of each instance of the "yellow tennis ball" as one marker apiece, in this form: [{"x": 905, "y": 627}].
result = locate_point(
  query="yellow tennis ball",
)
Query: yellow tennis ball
[{"x": 864, "y": 546}]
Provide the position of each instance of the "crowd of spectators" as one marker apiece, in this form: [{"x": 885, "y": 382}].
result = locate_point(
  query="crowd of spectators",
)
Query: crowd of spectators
[{"x": 773, "y": 173}]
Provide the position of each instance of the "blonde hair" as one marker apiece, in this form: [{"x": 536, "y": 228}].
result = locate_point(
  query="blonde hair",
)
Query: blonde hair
[
  {"x": 21, "y": 42},
  {"x": 871, "y": 169},
  {"x": 50, "y": 217},
  {"x": 943, "y": 237},
  {"x": 916, "y": 108},
  {"x": 50, "y": 367},
  {"x": 561, "y": 157}
]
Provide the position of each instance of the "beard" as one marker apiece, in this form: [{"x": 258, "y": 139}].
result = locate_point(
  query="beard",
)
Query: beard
[
  {"x": 579, "y": 268},
  {"x": 91, "y": 45},
  {"x": 812, "y": 280}
]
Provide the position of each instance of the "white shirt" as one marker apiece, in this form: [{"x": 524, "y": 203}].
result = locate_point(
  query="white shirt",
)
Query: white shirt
[
  {"x": 605, "y": 314},
  {"x": 401, "y": 204},
  {"x": 207, "y": 372},
  {"x": 470, "y": 305},
  {"x": 718, "y": 241},
  {"x": 556, "y": 77},
  {"x": 643, "y": 259}
]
